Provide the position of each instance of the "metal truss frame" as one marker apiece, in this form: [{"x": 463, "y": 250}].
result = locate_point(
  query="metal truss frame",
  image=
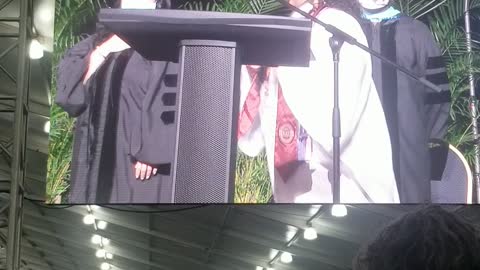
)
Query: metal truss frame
[{"x": 17, "y": 155}]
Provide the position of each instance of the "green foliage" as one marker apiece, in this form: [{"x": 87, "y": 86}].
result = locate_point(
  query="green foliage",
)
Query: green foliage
[
  {"x": 70, "y": 18},
  {"x": 252, "y": 183}
]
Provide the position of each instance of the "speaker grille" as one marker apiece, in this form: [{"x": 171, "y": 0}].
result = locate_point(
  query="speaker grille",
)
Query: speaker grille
[{"x": 205, "y": 125}]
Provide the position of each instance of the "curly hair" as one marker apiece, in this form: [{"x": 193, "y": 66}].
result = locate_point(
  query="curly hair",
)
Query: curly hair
[{"x": 429, "y": 239}]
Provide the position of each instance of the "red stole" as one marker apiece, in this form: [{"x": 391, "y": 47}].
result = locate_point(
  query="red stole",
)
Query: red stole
[
  {"x": 252, "y": 102},
  {"x": 287, "y": 127},
  {"x": 287, "y": 131}
]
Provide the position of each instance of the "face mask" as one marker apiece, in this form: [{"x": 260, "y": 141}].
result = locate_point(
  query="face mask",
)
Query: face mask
[
  {"x": 138, "y": 4},
  {"x": 374, "y": 4}
]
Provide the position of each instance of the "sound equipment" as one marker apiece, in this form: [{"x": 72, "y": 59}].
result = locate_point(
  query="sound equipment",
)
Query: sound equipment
[
  {"x": 452, "y": 179},
  {"x": 210, "y": 48}
]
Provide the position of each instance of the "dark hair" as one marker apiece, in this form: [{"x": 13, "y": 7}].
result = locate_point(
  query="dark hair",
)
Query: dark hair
[
  {"x": 429, "y": 239},
  {"x": 351, "y": 7}
]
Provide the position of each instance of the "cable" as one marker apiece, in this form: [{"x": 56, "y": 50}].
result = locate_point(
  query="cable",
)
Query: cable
[
  {"x": 42, "y": 204},
  {"x": 156, "y": 211}
]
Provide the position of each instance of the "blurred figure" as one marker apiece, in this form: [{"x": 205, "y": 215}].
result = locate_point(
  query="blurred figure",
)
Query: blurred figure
[
  {"x": 114, "y": 93},
  {"x": 429, "y": 239},
  {"x": 415, "y": 114},
  {"x": 288, "y": 111}
]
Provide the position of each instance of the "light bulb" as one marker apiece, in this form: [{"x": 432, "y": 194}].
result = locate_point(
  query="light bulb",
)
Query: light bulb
[
  {"x": 102, "y": 225},
  {"x": 89, "y": 219},
  {"x": 100, "y": 253},
  {"x": 259, "y": 268},
  {"x": 109, "y": 256},
  {"x": 96, "y": 239},
  {"x": 339, "y": 210},
  {"x": 36, "y": 49},
  {"x": 105, "y": 266},
  {"x": 46, "y": 127},
  {"x": 45, "y": 12},
  {"x": 310, "y": 233},
  {"x": 286, "y": 257},
  {"x": 105, "y": 241}
]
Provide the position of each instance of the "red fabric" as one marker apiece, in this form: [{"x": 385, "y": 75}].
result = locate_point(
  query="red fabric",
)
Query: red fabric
[
  {"x": 286, "y": 139},
  {"x": 252, "y": 103},
  {"x": 288, "y": 129}
]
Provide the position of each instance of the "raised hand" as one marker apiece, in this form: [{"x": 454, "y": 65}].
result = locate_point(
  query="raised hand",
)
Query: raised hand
[
  {"x": 113, "y": 44},
  {"x": 98, "y": 56}
]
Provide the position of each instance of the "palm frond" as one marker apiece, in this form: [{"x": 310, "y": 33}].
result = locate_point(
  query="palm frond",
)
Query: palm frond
[{"x": 264, "y": 6}]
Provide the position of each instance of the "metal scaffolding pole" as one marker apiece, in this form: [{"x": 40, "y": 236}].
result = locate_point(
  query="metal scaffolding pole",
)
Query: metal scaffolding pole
[
  {"x": 473, "y": 107},
  {"x": 19, "y": 142}
]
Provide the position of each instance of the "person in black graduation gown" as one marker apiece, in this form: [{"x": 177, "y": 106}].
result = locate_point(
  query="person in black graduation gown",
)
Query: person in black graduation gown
[
  {"x": 415, "y": 114},
  {"x": 116, "y": 97}
]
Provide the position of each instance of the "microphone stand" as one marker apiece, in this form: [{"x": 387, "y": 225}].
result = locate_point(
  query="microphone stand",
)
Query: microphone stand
[
  {"x": 336, "y": 45},
  {"x": 336, "y": 42}
]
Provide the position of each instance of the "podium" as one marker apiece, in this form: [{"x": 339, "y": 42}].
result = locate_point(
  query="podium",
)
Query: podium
[{"x": 210, "y": 48}]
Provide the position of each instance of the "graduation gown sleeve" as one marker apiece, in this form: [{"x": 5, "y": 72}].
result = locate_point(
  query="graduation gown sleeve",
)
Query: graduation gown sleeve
[
  {"x": 434, "y": 69},
  {"x": 366, "y": 156},
  {"x": 71, "y": 95},
  {"x": 152, "y": 140}
]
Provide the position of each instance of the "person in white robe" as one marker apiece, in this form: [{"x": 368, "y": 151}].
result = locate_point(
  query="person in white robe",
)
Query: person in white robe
[{"x": 289, "y": 114}]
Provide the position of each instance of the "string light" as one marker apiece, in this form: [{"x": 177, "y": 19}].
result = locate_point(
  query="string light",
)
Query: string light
[
  {"x": 105, "y": 266},
  {"x": 101, "y": 253},
  {"x": 102, "y": 225},
  {"x": 89, "y": 219},
  {"x": 105, "y": 241},
  {"x": 310, "y": 233},
  {"x": 46, "y": 127},
  {"x": 286, "y": 257},
  {"x": 339, "y": 210},
  {"x": 96, "y": 239},
  {"x": 36, "y": 49}
]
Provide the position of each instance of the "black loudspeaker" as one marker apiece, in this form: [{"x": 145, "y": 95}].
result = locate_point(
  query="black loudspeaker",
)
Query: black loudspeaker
[{"x": 205, "y": 157}]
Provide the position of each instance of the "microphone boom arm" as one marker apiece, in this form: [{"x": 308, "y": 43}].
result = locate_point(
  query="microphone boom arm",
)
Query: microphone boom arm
[{"x": 339, "y": 34}]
